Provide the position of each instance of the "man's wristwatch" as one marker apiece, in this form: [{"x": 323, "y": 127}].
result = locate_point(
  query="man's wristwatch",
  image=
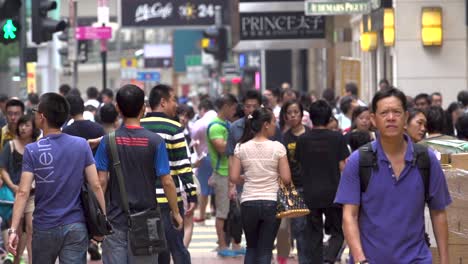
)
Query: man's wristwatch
[{"x": 11, "y": 231}]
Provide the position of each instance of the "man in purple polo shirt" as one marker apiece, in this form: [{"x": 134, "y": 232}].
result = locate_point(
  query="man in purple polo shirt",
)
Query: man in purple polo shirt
[{"x": 385, "y": 224}]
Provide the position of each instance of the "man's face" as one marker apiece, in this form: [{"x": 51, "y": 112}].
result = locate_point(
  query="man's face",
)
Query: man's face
[
  {"x": 13, "y": 114},
  {"x": 422, "y": 104},
  {"x": 230, "y": 111},
  {"x": 170, "y": 105},
  {"x": 271, "y": 99},
  {"x": 289, "y": 97},
  {"x": 250, "y": 105},
  {"x": 437, "y": 100},
  {"x": 390, "y": 117},
  {"x": 106, "y": 99}
]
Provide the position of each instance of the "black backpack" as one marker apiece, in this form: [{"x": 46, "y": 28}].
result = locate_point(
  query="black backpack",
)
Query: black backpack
[{"x": 368, "y": 162}]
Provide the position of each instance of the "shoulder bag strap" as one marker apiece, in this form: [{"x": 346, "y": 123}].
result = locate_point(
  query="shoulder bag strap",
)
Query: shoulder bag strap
[{"x": 118, "y": 172}]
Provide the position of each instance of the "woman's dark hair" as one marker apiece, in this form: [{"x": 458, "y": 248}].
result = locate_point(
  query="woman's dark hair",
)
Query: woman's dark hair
[
  {"x": 413, "y": 112},
  {"x": 28, "y": 118},
  {"x": 448, "y": 129},
  {"x": 462, "y": 127},
  {"x": 358, "y": 139},
  {"x": 284, "y": 110},
  {"x": 382, "y": 94},
  {"x": 254, "y": 124},
  {"x": 357, "y": 112},
  {"x": 186, "y": 110},
  {"x": 346, "y": 103},
  {"x": 435, "y": 119}
]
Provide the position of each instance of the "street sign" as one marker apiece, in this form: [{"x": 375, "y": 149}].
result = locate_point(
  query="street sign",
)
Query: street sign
[
  {"x": 330, "y": 7},
  {"x": 128, "y": 63},
  {"x": 31, "y": 77},
  {"x": 157, "y": 62},
  {"x": 148, "y": 76},
  {"x": 83, "y": 33},
  {"x": 193, "y": 60},
  {"x": 281, "y": 25},
  {"x": 173, "y": 13}
]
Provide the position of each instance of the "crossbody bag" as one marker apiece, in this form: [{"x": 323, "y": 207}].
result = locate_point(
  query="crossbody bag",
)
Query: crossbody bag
[{"x": 145, "y": 229}]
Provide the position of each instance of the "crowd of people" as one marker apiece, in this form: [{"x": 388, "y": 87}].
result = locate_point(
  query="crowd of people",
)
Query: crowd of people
[{"x": 179, "y": 155}]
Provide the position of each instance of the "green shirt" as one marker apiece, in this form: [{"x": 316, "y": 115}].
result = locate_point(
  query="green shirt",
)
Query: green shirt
[{"x": 218, "y": 130}]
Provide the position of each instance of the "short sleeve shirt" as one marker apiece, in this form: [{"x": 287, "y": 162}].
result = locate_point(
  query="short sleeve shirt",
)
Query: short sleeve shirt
[
  {"x": 391, "y": 215},
  {"x": 259, "y": 161},
  {"x": 58, "y": 162},
  {"x": 143, "y": 157},
  {"x": 219, "y": 129}
]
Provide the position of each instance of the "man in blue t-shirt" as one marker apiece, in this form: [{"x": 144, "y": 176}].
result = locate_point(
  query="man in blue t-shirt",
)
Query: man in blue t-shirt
[
  {"x": 143, "y": 157},
  {"x": 384, "y": 221},
  {"x": 59, "y": 164}
]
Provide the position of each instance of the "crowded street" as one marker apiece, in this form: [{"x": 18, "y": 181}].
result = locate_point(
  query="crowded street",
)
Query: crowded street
[{"x": 233, "y": 131}]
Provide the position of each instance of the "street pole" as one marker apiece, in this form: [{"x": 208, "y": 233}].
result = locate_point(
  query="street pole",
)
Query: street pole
[
  {"x": 73, "y": 49},
  {"x": 103, "y": 19},
  {"x": 219, "y": 64},
  {"x": 23, "y": 45},
  {"x": 104, "y": 61}
]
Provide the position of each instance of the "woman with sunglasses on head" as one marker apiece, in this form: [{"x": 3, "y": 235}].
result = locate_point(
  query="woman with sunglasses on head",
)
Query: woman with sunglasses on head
[
  {"x": 263, "y": 163},
  {"x": 11, "y": 164}
]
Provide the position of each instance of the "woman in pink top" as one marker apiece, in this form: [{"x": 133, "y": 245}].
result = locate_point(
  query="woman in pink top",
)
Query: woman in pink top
[{"x": 263, "y": 161}]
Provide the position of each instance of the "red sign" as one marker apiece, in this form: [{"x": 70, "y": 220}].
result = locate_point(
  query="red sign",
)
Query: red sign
[{"x": 83, "y": 33}]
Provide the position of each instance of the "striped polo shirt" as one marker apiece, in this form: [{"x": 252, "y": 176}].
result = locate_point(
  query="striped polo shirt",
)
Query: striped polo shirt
[{"x": 181, "y": 167}]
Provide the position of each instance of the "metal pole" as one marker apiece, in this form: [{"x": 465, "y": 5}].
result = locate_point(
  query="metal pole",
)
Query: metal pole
[
  {"x": 104, "y": 62},
  {"x": 219, "y": 65},
  {"x": 73, "y": 50},
  {"x": 23, "y": 43}
]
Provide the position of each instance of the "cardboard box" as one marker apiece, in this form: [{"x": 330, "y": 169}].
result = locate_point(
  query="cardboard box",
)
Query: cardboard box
[
  {"x": 460, "y": 161},
  {"x": 458, "y": 254}
]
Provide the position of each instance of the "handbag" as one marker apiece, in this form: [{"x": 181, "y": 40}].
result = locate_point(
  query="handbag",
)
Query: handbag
[
  {"x": 290, "y": 202},
  {"x": 96, "y": 220},
  {"x": 145, "y": 229},
  {"x": 7, "y": 199}
]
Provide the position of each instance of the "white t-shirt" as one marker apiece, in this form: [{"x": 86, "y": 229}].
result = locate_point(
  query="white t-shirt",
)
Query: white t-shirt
[{"x": 259, "y": 162}]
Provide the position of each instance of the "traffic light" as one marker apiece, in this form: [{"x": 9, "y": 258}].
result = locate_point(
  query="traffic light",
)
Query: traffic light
[
  {"x": 63, "y": 51},
  {"x": 9, "y": 9},
  {"x": 218, "y": 45},
  {"x": 10, "y": 29},
  {"x": 44, "y": 27},
  {"x": 9, "y": 23}
]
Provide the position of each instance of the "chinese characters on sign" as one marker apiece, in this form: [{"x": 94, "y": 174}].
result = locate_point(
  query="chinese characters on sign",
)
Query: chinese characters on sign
[{"x": 280, "y": 25}]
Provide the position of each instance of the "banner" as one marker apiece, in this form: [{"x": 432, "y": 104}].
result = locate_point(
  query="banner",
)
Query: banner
[
  {"x": 173, "y": 13},
  {"x": 31, "y": 77}
]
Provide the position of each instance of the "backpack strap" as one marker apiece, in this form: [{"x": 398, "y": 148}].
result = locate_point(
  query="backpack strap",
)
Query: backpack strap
[
  {"x": 218, "y": 161},
  {"x": 367, "y": 162},
  {"x": 422, "y": 160}
]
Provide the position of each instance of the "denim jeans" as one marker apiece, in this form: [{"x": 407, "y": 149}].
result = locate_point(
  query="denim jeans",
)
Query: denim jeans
[
  {"x": 116, "y": 250},
  {"x": 69, "y": 243},
  {"x": 260, "y": 227},
  {"x": 308, "y": 231},
  {"x": 175, "y": 240}
]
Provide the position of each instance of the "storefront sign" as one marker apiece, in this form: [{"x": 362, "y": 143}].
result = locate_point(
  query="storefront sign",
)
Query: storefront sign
[
  {"x": 313, "y": 8},
  {"x": 148, "y": 13},
  {"x": 281, "y": 25}
]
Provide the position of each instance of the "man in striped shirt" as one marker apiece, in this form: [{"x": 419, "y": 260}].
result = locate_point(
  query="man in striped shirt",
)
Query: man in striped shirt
[{"x": 163, "y": 103}]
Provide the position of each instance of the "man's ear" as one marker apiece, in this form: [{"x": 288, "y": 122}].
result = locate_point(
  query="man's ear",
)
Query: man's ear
[{"x": 372, "y": 118}]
